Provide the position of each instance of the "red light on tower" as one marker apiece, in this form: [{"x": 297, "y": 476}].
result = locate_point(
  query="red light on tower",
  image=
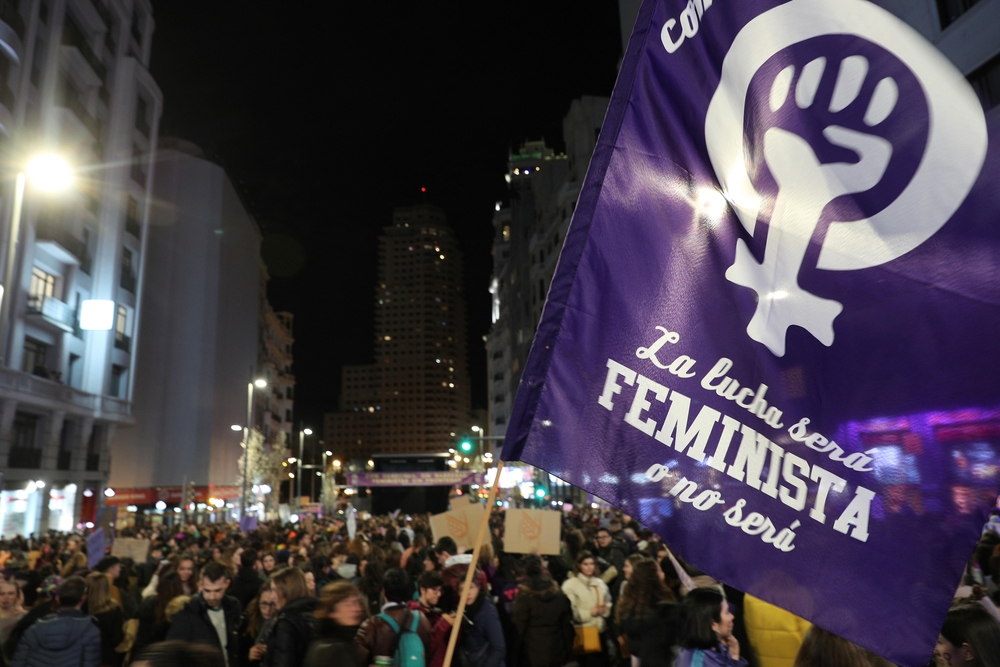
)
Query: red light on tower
[{"x": 423, "y": 189}]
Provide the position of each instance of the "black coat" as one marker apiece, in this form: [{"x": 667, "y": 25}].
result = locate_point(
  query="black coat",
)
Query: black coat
[
  {"x": 111, "y": 624},
  {"x": 293, "y": 630},
  {"x": 543, "y": 624},
  {"x": 245, "y": 586},
  {"x": 192, "y": 624},
  {"x": 333, "y": 645}
]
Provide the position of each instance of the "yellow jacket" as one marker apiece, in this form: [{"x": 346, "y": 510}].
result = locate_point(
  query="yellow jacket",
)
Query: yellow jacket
[{"x": 774, "y": 633}]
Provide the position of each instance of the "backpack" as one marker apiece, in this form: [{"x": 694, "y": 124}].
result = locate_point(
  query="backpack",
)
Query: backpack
[{"x": 409, "y": 647}]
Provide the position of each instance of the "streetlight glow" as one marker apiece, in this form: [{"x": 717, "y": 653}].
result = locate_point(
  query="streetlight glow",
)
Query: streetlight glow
[
  {"x": 308, "y": 431},
  {"x": 49, "y": 172},
  {"x": 260, "y": 383},
  {"x": 475, "y": 429},
  {"x": 329, "y": 453},
  {"x": 236, "y": 427}
]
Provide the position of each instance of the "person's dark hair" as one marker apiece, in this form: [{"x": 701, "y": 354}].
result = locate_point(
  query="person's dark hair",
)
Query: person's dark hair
[
  {"x": 582, "y": 556},
  {"x": 446, "y": 544},
  {"x": 215, "y": 571},
  {"x": 168, "y": 587},
  {"x": 404, "y": 539},
  {"x": 71, "y": 592},
  {"x": 643, "y": 590},
  {"x": 397, "y": 585},
  {"x": 248, "y": 558},
  {"x": 430, "y": 579},
  {"x": 821, "y": 648},
  {"x": 701, "y": 608},
  {"x": 574, "y": 542},
  {"x": 181, "y": 654},
  {"x": 107, "y": 563},
  {"x": 532, "y": 565},
  {"x": 602, "y": 529},
  {"x": 971, "y": 624}
]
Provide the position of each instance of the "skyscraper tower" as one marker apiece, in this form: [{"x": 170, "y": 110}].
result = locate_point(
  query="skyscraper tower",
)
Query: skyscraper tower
[{"x": 416, "y": 397}]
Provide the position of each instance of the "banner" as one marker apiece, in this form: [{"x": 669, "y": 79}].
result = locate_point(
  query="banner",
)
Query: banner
[
  {"x": 532, "y": 531},
  {"x": 425, "y": 478},
  {"x": 771, "y": 335},
  {"x": 460, "y": 524},
  {"x": 95, "y": 548},
  {"x": 130, "y": 547}
]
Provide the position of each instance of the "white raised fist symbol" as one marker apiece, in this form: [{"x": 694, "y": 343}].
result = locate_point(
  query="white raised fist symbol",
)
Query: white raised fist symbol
[
  {"x": 951, "y": 160},
  {"x": 805, "y": 187}
]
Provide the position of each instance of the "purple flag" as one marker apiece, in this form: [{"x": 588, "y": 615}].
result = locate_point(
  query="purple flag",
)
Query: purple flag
[
  {"x": 96, "y": 545},
  {"x": 771, "y": 335}
]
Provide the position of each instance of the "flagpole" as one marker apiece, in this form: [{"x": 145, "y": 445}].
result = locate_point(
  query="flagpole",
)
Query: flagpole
[{"x": 483, "y": 524}]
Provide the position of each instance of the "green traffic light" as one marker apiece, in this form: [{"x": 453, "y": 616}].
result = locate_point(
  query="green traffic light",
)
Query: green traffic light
[
  {"x": 539, "y": 492},
  {"x": 465, "y": 446}
]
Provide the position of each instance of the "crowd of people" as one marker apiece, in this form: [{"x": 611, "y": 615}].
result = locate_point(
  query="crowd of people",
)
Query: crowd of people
[{"x": 386, "y": 592}]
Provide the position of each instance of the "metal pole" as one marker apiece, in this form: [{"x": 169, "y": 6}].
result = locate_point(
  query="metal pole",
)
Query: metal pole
[
  {"x": 246, "y": 450},
  {"x": 298, "y": 475},
  {"x": 7, "y": 298},
  {"x": 322, "y": 488}
]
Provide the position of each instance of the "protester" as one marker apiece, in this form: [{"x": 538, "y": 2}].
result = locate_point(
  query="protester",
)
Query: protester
[
  {"x": 257, "y": 625},
  {"x": 67, "y": 638},
  {"x": 211, "y": 617},
  {"x": 377, "y": 635},
  {"x": 543, "y": 620},
  {"x": 109, "y": 615},
  {"x": 340, "y": 613},
  {"x": 707, "y": 635},
  {"x": 429, "y": 587},
  {"x": 11, "y": 610},
  {"x": 614, "y": 552},
  {"x": 267, "y": 563},
  {"x": 180, "y": 654},
  {"x": 970, "y": 637},
  {"x": 73, "y": 559},
  {"x": 45, "y": 605},
  {"x": 481, "y": 638},
  {"x": 153, "y": 623},
  {"x": 645, "y": 590},
  {"x": 775, "y": 634},
  {"x": 246, "y": 583},
  {"x": 591, "y": 604},
  {"x": 295, "y": 625}
]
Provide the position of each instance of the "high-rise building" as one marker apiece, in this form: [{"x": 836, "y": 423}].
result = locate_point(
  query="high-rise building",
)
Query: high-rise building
[
  {"x": 203, "y": 327},
  {"x": 416, "y": 397},
  {"x": 276, "y": 404},
  {"x": 74, "y": 80},
  {"x": 544, "y": 187}
]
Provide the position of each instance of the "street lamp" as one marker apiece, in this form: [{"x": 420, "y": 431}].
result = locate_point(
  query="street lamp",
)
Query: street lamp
[
  {"x": 302, "y": 435},
  {"x": 260, "y": 383},
  {"x": 48, "y": 173}
]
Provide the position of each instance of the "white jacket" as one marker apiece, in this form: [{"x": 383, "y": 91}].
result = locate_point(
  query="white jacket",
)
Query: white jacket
[{"x": 583, "y": 593}]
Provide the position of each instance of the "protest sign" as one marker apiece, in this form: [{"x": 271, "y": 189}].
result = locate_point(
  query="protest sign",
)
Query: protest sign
[
  {"x": 130, "y": 547},
  {"x": 460, "y": 524},
  {"x": 532, "y": 531},
  {"x": 95, "y": 548},
  {"x": 248, "y": 522},
  {"x": 771, "y": 333}
]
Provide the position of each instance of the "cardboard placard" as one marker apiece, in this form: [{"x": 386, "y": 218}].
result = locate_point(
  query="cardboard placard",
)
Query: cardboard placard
[
  {"x": 532, "y": 531},
  {"x": 460, "y": 524},
  {"x": 130, "y": 547}
]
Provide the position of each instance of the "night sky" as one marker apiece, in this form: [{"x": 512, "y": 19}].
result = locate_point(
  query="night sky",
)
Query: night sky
[{"x": 326, "y": 115}]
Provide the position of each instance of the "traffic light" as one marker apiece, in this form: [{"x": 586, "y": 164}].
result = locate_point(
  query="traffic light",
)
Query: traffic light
[
  {"x": 540, "y": 492},
  {"x": 465, "y": 445}
]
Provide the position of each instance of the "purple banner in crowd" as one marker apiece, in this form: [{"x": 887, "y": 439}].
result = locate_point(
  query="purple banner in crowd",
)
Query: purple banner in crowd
[
  {"x": 771, "y": 335},
  {"x": 96, "y": 545},
  {"x": 428, "y": 478}
]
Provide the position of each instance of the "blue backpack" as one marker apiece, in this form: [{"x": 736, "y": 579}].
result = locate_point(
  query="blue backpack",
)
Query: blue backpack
[{"x": 409, "y": 647}]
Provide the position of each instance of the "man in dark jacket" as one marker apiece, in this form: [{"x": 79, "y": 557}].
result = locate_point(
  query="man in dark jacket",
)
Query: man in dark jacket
[
  {"x": 211, "y": 617},
  {"x": 614, "y": 553},
  {"x": 543, "y": 620},
  {"x": 247, "y": 582},
  {"x": 376, "y": 637},
  {"x": 68, "y": 638}
]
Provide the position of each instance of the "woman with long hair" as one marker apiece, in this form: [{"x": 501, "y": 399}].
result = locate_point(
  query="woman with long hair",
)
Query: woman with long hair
[
  {"x": 970, "y": 637},
  {"x": 340, "y": 613},
  {"x": 707, "y": 631},
  {"x": 153, "y": 622},
  {"x": 109, "y": 615},
  {"x": 257, "y": 624},
  {"x": 645, "y": 590},
  {"x": 370, "y": 585},
  {"x": 591, "y": 602},
  {"x": 543, "y": 620},
  {"x": 11, "y": 607},
  {"x": 296, "y": 622},
  {"x": 268, "y": 561}
]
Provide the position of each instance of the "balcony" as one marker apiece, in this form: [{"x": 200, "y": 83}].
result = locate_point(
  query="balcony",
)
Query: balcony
[
  {"x": 22, "y": 457},
  {"x": 70, "y": 99},
  {"x": 133, "y": 227},
  {"x": 122, "y": 342},
  {"x": 12, "y": 17},
  {"x": 93, "y": 462},
  {"x": 53, "y": 311},
  {"x": 138, "y": 175},
  {"x": 49, "y": 230},
  {"x": 49, "y": 393},
  {"x": 73, "y": 38},
  {"x": 65, "y": 458},
  {"x": 128, "y": 280}
]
